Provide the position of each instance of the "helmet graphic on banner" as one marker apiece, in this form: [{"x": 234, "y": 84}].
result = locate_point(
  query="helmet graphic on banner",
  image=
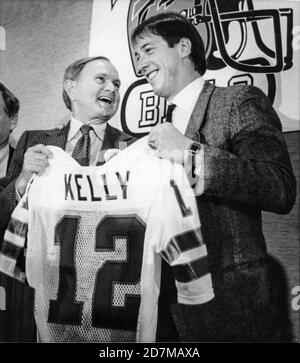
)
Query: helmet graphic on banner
[
  {"x": 233, "y": 32},
  {"x": 243, "y": 45}
]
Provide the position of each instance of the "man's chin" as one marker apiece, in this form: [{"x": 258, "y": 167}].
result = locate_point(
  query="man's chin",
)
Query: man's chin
[
  {"x": 156, "y": 90},
  {"x": 106, "y": 113},
  {"x": 159, "y": 92},
  {"x": 106, "y": 117}
]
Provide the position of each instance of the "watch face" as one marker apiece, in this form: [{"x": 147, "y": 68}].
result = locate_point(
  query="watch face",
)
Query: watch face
[{"x": 194, "y": 148}]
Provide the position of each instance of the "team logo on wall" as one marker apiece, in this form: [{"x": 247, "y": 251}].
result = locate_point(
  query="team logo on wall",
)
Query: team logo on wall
[{"x": 243, "y": 45}]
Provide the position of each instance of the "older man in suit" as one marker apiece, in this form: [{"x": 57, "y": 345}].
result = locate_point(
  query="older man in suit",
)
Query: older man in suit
[
  {"x": 9, "y": 110},
  {"x": 91, "y": 93},
  {"x": 231, "y": 139}
]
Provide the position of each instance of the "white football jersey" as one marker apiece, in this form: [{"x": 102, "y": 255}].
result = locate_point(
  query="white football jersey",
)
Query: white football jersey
[{"x": 95, "y": 239}]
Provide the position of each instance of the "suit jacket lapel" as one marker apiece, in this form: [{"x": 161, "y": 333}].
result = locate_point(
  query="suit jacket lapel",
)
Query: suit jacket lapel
[
  {"x": 10, "y": 155},
  {"x": 110, "y": 136},
  {"x": 57, "y": 137},
  {"x": 198, "y": 114}
]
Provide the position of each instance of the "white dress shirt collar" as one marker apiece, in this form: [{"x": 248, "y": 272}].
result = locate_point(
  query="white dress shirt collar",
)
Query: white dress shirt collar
[
  {"x": 187, "y": 97},
  {"x": 75, "y": 125},
  {"x": 185, "y": 102}
]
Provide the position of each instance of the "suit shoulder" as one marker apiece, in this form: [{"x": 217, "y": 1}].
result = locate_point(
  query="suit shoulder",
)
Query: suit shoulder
[
  {"x": 32, "y": 137},
  {"x": 240, "y": 93},
  {"x": 41, "y": 132},
  {"x": 239, "y": 89},
  {"x": 122, "y": 136}
]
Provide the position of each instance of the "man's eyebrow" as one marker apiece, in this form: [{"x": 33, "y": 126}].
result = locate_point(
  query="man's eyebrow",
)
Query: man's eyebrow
[
  {"x": 143, "y": 47},
  {"x": 101, "y": 74}
]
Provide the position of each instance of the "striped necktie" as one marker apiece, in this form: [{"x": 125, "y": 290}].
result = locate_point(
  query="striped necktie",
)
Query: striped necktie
[
  {"x": 81, "y": 152},
  {"x": 170, "y": 110}
]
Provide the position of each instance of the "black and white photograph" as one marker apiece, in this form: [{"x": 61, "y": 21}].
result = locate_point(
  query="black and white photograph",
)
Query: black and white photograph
[{"x": 149, "y": 174}]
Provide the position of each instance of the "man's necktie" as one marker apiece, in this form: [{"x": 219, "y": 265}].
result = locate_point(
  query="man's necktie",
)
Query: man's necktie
[
  {"x": 81, "y": 152},
  {"x": 170, "y": 110}
]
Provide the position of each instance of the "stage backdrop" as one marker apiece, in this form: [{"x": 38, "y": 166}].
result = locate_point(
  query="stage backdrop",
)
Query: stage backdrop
[{"x": 247, "y": 41}]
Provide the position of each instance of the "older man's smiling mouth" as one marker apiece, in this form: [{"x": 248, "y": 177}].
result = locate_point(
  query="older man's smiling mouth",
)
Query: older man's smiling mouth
[{"x": 105, "y": 99}]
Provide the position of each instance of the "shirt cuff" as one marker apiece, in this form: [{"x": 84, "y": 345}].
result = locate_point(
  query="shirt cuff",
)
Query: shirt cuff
[{"x": 199, "y": 172}]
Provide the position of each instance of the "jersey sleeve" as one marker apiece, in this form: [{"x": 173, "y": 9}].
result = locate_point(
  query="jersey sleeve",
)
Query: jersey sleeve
[
  {"x": 181, "y": 243},
  {"x": 13, "y": 249}
]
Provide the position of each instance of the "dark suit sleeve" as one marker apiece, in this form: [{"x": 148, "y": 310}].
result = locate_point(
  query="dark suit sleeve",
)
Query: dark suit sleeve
[
  {"x": 254, "y": 168},
  {"x": 7, "y": 184}
]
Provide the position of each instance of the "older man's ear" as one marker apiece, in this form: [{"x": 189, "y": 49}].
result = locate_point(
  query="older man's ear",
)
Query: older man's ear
[{"x": 13, "y": 122}]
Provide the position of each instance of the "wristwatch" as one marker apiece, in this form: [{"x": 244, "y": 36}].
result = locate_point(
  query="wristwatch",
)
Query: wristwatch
[{"x": 193, "y": 149}]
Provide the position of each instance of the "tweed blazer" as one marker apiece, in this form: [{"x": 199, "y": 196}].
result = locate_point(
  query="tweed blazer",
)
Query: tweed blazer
[
  {"x": 247, "y": 169},
  {"x": 57, "y": 137}
]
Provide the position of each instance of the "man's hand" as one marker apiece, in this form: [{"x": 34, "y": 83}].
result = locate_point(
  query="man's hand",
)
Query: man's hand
[
  {"x": 169, "y": 143},
  {"x": 35, "y": 161}
]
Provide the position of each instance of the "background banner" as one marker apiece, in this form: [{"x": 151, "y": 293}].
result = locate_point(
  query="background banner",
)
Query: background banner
[{"x": 252, "y": 42}]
